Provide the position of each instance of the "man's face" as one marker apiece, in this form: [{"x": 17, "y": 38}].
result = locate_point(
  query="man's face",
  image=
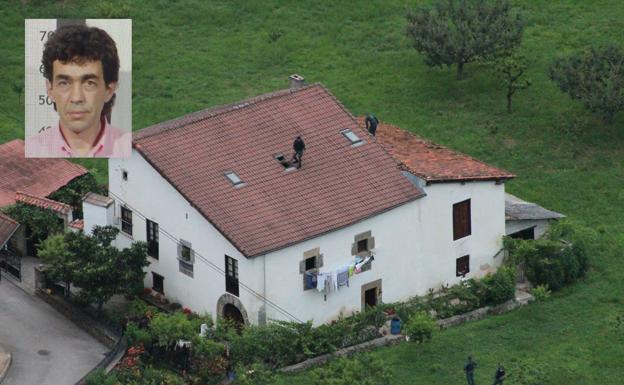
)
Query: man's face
[{"x": 79, "y": 92}]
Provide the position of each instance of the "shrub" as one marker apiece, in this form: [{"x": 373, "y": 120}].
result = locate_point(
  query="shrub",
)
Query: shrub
[
  {"x": 540, "y": 292},
  {"x": 363, "y": 369},
  {"x": 420, "y": 327},
  {"x": 99, "y": 377},
  {"x": 136, "y": 336},
  {"x": 500, "y": 286}
]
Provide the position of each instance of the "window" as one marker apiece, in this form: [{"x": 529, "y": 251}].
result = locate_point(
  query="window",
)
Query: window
[
  {"x": 126, "y": 220},
  {"x": 152, "y": 238},
  {"x": 284, "y": 162},
  {"x": 462, "y": 266},
  {"x": 235, "y": 179},
  {"x": 353, "y": 138},
  {"x": 231, "y": 275},
  {"x": 158, "y": 283},
  {"x": 309, "y": 267},
  {"x": 186, "y": 258},
  {"x": 461, "y": 219},
  {"x": 363, "y": 244},
  {"x": 124, "y": 175}
]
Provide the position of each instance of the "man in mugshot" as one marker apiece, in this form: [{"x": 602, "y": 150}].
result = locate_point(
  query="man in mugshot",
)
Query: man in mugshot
[{"x": 81, "y": 67}]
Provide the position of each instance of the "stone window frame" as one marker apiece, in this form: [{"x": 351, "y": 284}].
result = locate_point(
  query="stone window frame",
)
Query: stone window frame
[
  {"x": 318, "y": 263},
  {"x": 367, "y": 235},
  {"x": 185, "y": 266}
]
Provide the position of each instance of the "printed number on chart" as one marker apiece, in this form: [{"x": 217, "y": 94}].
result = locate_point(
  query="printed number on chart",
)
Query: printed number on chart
[
  {"x": 43, "y": 99},
  {"x": 45, "y": 34}
]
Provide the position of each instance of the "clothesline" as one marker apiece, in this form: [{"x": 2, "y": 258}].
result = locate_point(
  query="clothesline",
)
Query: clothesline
[{"x": 332, "y": 280}]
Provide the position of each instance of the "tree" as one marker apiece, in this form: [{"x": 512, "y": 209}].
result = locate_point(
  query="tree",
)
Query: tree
[
  {"x": 74, "y": 191},
  {"x": 462, "y": 31},
  {"x": 511, "y": 68},
  {"x": 40, "y": 222},
  {"x": 90, "y": 262},
  {"x": 60, "y": 264},
  {"x": 595, "y": 77}
]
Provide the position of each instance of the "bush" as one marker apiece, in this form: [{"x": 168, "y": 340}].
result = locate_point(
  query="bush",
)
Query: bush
[
  {"x": 363, "y": 369},
  {"x": 500, "y": 286},
  {"x": 541, "y": 292},
  {"x": 137, "y": 336},
  {"x": 420, "y": 327}
]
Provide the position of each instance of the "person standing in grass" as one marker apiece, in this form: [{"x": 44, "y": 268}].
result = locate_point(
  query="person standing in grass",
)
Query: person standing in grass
[
  {"x": 469, "y": 369},
  {"x": 499, "y": 376}
]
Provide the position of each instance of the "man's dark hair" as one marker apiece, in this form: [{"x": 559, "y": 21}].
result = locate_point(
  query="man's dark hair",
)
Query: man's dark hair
[{"x": 79, "y": 43}]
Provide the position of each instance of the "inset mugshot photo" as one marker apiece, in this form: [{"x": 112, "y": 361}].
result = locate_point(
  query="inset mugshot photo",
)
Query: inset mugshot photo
[{"x": 78, "y": 88}]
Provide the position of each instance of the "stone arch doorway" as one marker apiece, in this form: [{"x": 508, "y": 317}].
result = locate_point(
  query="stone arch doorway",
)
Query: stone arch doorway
[{"x": 230, "y": 307}]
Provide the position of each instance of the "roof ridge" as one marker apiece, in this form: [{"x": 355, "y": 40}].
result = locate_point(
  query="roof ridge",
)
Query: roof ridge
[{"x": 211, "y": 112}]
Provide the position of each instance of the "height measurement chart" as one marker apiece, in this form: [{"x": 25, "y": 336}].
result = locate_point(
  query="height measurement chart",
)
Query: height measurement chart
[{"x": 40, "y": 115}]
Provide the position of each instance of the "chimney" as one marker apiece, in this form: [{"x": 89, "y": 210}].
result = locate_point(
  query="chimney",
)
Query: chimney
[{"x": 296, "y": 81}]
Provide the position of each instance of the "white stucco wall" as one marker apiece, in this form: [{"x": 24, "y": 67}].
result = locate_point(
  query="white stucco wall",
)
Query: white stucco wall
[
  {"x": 96, "y": 215},
  {"x": 148, "y": 193},
  {"x": 541, "y": 225},
  {"x": 414, "y": 249}
]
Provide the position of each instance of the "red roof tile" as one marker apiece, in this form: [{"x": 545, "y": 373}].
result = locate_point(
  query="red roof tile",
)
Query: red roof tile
[
  {"x": 36, "y": 176},
  {"x": 337, "y": 185},
  {"x": 7, "y": 227},
  {"x": 430, "y": 161},
  {"x": 77, "y": 224},
  {"x": 44, "y": 203}
]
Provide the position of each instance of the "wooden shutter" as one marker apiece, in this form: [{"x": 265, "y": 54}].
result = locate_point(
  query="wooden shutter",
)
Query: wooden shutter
[{"x": 461, "y": 219}]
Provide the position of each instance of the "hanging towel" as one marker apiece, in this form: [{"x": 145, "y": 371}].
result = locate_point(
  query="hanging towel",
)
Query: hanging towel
[
  {"x": 342, "y": 276},
  {"x": 310, "y": 280},
  {"x": 351, "y": 270},
  {"x": 329, "y": 285},
  {"x": 320, "y": 282}
]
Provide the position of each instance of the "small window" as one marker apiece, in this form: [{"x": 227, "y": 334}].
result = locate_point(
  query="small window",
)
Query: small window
[
  {"x": 353, "y": 138},
  {"x": 462, "y": 266},
  {"x": 235, "y": 179},
  {"x": 126, "y": 220},
  {"x": 186, "y": 258},
  {"x": 231, "y": 275},
  {"x": 152, "y": 238},
  {"x": 310, "y": 263},
  {"x": 362, "y": 246},
  {"x": 158, "y": 283},
  {"x": 461, "y": 220},
  {"x": 124, "y": 175},
  {"x": 283, "y": 161}
]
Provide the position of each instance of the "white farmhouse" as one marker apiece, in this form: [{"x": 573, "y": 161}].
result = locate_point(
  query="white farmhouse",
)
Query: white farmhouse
[{"x": 234, "y": 228}]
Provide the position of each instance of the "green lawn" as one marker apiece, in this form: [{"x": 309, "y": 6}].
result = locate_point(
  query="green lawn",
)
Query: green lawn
[{"x": 195, "y": 54}]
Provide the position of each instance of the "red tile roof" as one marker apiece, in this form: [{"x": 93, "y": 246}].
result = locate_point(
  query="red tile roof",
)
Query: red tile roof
[
  {"x": 430, "y": 161},
  {"x": 77, "y": 224},
  {"x": 44, "y": 203},
  {"x": 7, "y": 227},
  {"x": 338, "y": 184},
  {"x": 36, "y": 176}
]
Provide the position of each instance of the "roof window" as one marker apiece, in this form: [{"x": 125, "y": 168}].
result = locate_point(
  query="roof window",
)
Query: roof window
[
  {"x": 352, "y": 136},
  {"x": 284, "y": 162},
  {"x": 235, "y": 179}
]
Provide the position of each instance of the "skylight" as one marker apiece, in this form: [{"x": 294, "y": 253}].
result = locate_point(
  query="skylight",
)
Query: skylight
[
  {"x": 353, "y": 138},
  {"x": 235, "y": 179}
]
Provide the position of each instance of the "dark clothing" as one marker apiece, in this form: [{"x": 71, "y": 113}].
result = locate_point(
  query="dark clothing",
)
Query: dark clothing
[
  {"x": 299, "y": 147},
  {"x": 371, "y": 124},
  {"x": 499, "y": 376},
  {"x": 469, "y": 369}
]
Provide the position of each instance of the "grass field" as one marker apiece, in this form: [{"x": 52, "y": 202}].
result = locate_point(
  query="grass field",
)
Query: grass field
[{"x": 195, "y": 54}]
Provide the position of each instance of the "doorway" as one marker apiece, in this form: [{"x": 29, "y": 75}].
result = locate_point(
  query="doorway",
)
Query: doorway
[{"x": 371, "y": 294}]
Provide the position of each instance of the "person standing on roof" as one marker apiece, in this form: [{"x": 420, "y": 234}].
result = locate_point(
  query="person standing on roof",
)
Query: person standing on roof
[
  {"x": 299, "y": 147},
  {"x": 371, "y": 123}
]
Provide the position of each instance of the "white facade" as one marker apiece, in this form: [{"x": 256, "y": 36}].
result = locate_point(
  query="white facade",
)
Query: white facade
[{"x": 414, "y": 248}]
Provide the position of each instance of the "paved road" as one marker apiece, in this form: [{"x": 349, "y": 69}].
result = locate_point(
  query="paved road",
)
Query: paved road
[{"x": 47, "y": 349}]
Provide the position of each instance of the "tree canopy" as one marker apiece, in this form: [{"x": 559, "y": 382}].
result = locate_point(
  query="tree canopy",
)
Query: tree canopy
[
  {"x": 462, "y": 31},
  {"x": 595, "y": 77}
]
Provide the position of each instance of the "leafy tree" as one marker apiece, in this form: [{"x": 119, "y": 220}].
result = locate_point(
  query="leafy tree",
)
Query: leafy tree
[
  {"x": 91, "y": 263},
  {"x": 510, "y": 69},
  {"x": 41, "y": 222},
  {"x": 74, "y": 191},
  {"x": 595, "y": 77},
  {"x": 462, "y": 31},
  {"x": 420, "y": 327},
  {"x": 60, "y": 264}
]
